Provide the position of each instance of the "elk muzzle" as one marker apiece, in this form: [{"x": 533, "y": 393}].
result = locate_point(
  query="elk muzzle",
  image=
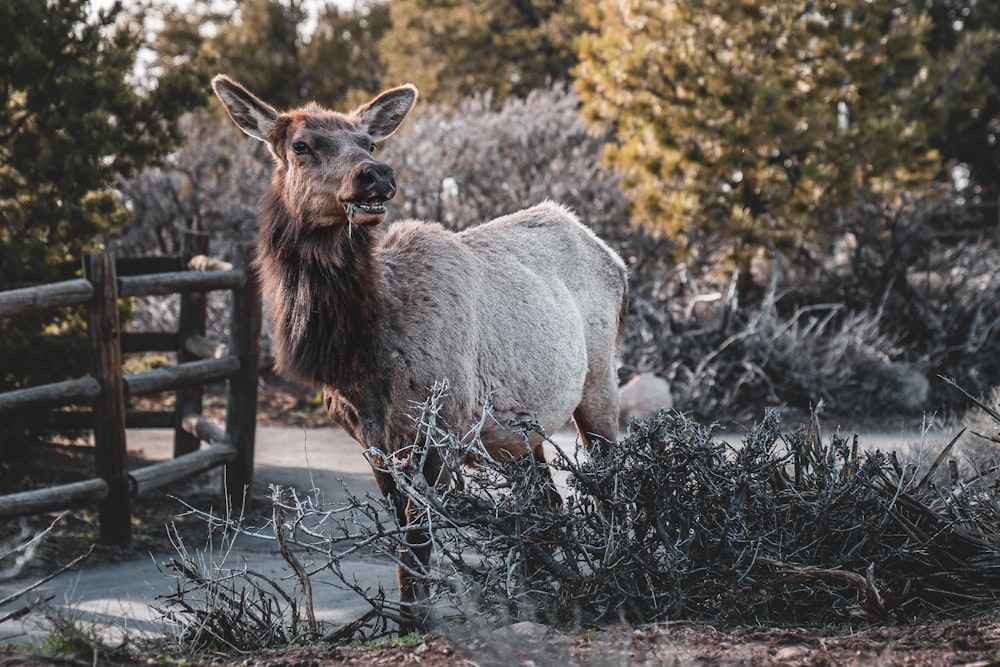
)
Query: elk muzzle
[{"x": 374, "y": 184}]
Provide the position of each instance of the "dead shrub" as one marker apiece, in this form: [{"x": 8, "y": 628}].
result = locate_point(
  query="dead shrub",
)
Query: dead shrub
[
  {"x": 929, "y": 266},
  {"x": 219, "y": 603},
  {"x": 784, "y": 527},
  {"x": 729, "y": 360},
  {"x": 671, "y": 524}
]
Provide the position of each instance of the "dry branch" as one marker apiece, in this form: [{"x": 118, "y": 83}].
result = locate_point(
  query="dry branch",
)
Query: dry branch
[
  {"x": 215, "y": 605},
  {"x": 279, "y": 498}
]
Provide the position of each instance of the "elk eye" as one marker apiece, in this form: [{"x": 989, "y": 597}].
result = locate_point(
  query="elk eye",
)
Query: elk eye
[
  {"x": 301, "y": 148},
  {"x": 371, "y": 147}
]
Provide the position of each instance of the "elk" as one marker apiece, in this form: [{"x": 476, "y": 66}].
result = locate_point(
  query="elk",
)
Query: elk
[{"x": 527, "y": 308}]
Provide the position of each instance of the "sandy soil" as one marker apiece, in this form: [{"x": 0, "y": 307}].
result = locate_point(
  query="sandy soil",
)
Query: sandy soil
[{"x": 969, "y": 644}]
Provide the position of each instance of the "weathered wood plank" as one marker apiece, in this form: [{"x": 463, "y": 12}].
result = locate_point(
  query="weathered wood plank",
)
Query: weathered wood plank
[
  {"x": 162, "y": 379},
  {"x": 149, "y": 341},
  {"x": 59, "y": 497},
  {"x": 149, "y": 419},
  {"x": 54, "y": 295},
  {"x": 138, "y": 266},
  {"x": 52, "y": 395},
  {"x": 106, "y": 390},
  {"x": 84, "y": 419},
  {"x": 241, "y": 403},
  {"x": 191, "y": 323},
  {"x": 181, "y": 281},
  {"x": 161, "y": 474}
]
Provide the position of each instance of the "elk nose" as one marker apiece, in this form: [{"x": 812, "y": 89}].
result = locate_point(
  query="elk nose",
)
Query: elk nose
[{"x": 378, "y": 178}]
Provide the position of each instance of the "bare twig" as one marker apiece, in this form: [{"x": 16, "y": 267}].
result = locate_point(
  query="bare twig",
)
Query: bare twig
[
  {"x": 278, "y": 499},
  {"x": 68, "y": 566}
]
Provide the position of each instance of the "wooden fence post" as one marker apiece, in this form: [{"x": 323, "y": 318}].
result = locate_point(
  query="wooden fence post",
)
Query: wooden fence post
[
  {"x": 191, "y": 322},
  {"x": 115, "y": 511},
  {"x": 241, "y": 404}
]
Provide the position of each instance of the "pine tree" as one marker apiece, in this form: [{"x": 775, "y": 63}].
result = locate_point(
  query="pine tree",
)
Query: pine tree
[
  {"x": 268, "y": 46},
  {"x": 748, "y": 120},
  {"x": 451, "y": 49},
  {"x": 69, "y": 125},
  {"x": 342, "y": 59}
]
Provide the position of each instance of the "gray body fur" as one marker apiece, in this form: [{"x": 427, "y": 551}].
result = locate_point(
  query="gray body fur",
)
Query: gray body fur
[{"x": 527, "y": 307}]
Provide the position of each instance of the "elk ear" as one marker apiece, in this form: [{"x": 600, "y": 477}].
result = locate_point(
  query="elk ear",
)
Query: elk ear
[
  {"x": 254, "y": 117},
  {"x": 380, "y": 117}
]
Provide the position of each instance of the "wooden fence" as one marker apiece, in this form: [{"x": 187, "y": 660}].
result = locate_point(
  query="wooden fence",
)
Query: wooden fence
[{"x": 107, "y": 390}]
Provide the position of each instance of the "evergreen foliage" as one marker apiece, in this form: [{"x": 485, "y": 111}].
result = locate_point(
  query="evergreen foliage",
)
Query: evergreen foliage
[
  {"x": 259, "y": 44},
  {"x": 267, "y": 45},
  {"x": 70, "y": 123},
  {"x": 750, "y": 121},
  {"x": 263, "y": 47},
  {"x": 453, "y": 49},
  {"x": 343, "y": 58},
  {"x": 968, "y": 131}
]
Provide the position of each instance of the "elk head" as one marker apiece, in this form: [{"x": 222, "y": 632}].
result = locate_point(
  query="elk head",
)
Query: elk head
[{"x": 324, "y": 166}]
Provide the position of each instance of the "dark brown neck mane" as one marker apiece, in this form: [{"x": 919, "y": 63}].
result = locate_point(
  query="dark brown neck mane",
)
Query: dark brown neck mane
[{"x": 325, "y": 303}]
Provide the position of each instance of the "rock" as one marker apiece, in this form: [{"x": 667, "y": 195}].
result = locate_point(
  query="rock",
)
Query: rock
[
  {"x": 644, "y": 396},
  {"x": 905, "y": 386},
  {"x": 791, "y": 653},
  {"x": 528, "y": 630}
]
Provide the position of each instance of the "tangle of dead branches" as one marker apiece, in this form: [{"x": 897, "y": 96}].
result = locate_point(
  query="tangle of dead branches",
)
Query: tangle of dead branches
[{"x": 672, "y": 523}]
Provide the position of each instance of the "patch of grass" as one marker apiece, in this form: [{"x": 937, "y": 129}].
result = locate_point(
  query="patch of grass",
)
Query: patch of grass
[{"x": 70, "y": 639}]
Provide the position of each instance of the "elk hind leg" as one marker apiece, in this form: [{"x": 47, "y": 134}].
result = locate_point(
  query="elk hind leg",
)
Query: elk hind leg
[{"x": 596, "y": 417}]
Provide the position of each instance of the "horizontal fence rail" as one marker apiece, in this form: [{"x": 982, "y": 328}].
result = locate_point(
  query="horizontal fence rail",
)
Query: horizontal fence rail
[
  {"x": 200, "y": 360},
  {"x": 54, "y": 295},
  {"x": 56, "y": 394},
  {"x": 168, "y": 283},
  {"x": 182, "y": 375},
  {"x": 59, "y": 497}
]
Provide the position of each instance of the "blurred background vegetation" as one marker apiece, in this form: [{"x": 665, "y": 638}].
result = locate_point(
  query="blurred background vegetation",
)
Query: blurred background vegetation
[{"x": 805, "y": 191}]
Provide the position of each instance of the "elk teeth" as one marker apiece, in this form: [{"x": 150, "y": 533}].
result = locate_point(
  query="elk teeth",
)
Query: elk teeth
[{"x": 373, "y": 206}]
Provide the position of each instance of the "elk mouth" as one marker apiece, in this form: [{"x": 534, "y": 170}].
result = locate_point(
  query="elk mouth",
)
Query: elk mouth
[{"x": 374, "y": 206}]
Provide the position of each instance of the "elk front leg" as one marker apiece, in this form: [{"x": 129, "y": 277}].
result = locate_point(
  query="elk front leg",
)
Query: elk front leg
[{"x": 414, "y": 557}]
